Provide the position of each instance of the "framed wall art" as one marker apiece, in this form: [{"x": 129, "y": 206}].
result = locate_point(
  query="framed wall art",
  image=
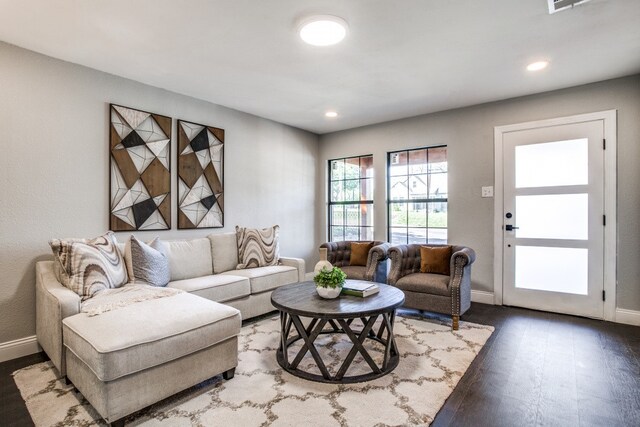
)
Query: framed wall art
[
  {"x": 200, "y": 176},
  {"x": 140, "y": 162}
]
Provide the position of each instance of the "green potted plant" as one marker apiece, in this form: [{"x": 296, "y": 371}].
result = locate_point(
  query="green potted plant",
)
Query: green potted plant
[{"x": 329, "y": 282}]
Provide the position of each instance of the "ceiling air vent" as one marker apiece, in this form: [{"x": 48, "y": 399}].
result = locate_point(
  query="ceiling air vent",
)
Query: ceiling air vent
[{"x": 558, "y": 5}]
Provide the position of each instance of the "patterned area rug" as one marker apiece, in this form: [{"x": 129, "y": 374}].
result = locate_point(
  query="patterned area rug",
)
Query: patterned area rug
[{"x": 433, "y": 359}]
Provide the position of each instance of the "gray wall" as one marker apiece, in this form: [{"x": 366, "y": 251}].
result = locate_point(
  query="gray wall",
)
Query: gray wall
[
  {"x": 54, "y": 168},
  {"x": 468, "y": 133}
]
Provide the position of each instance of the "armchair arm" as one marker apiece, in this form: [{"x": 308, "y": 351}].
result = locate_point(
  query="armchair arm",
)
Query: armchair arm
[
  {"x": 460, "y": 282},
  {"x": 377, "y": 254},
  {"x": 396, "y": 255},
  {"x": 296, "y": 263},
  {"x": 54, "y": 302}
]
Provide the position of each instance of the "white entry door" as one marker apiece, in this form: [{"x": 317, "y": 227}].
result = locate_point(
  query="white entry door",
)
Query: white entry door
[{"x": 553, "y": 218}]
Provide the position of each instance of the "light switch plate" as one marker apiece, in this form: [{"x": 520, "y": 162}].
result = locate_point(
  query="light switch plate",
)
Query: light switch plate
[{"x": 487, "y": 191}]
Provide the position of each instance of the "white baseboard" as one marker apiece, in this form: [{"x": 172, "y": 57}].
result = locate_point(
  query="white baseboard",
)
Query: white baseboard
[
  {"x": 18, "y": 348},
  {"x": 483, "y": 297},
  {"x": 629, "y": 317}
]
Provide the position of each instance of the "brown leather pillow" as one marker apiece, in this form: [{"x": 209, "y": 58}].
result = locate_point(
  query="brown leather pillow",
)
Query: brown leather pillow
[
  {"x": 360, "y": 252},
  {"x": 435, "y": 259}
]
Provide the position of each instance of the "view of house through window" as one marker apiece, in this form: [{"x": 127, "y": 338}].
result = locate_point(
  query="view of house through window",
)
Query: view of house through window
[
  {"x": 351, "y": 198},
  {"x": 417, "y": 195}
]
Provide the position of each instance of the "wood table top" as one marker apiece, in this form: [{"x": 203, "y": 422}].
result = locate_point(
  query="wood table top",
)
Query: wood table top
[{"x": 303, "y": 300}]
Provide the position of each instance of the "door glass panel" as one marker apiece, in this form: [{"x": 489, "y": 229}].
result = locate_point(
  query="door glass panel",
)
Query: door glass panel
[
  {"x": 552, "y": 269},
  {"x": 553, "y": 216},
  {"x": 552, "y": 164}
]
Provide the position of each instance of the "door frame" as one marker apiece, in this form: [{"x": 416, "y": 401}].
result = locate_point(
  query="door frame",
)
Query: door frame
[{"x": 609, "y": 118}]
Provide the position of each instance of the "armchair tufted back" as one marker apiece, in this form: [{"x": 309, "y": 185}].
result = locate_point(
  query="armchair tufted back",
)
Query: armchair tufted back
[
  {"x": 410, "y": 257},
  {"x": 339, "y": 253}
]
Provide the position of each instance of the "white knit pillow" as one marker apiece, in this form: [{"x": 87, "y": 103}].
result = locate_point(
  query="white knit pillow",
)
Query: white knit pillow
[{"x": 147, "y": 264}]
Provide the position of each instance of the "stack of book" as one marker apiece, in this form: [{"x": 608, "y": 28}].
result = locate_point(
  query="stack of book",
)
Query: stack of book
[{"x": 360, "y": 289}]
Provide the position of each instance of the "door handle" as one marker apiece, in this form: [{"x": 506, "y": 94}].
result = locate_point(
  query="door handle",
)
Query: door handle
[{"x": 510, "y": 227}]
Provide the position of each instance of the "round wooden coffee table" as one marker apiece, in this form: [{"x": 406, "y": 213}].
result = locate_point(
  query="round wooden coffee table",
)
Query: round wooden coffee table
[{"x": 328, "y": 316}]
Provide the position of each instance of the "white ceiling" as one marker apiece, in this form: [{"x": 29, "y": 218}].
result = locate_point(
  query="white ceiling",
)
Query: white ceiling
[{"x": 401, "y": 58}]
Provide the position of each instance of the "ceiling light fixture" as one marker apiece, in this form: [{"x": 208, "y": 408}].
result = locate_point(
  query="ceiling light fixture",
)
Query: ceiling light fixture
[
  {"x": 537, "y": 66},
  {"x": 322, "y": 30},
  {"x": 331, "y": 114}
]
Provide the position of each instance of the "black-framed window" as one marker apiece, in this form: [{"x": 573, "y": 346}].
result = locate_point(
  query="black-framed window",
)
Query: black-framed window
[
  {"x": 417, "y": 195},
  {"x": 351, "y": 198}
]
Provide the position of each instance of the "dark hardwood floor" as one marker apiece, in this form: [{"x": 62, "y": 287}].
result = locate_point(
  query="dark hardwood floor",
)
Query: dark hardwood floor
[{"x": 536, "y": 369}]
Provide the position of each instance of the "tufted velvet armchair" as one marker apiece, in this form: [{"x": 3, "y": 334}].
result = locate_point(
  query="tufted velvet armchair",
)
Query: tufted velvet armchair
[
  {"x": 339, "y": 255},
  {"x": 433, "y": 292}
]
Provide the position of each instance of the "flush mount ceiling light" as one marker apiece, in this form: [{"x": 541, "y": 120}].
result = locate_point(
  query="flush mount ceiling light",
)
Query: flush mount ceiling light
[
  {"x": 322, "y": 30},
  {"x": 331, "y": 114},
  {"x": 537, "y": 66}
]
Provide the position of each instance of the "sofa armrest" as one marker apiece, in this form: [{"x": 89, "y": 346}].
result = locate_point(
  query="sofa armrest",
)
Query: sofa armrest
[
  {"x": 54, "y": 302},
  {"x": 296, "y": 263}
]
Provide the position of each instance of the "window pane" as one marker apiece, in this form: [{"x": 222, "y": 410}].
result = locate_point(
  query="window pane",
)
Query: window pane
[
  {"x": 337, "y": 215},
  {"x": 337, "y": 234},
  {"x": 352, "y": 168},
  {"x": 437, "y": 159},
  {"x": 398, "y": 212},
  {"x": 417, "y": 235},
  {"x": 438, "y": 214},
  {"x": 555, "y": 276},
  {"x": 437, "y": 235},
  {"x": 418, "y": 161},
  {"x": 366, "y": 215},
  {"x": 366, "y": 167},
  {"x": 564, "y": 162},
  {"x": 366, "y": 233},
  {"x": 418, "y": 185},
  {"x": 553, "y": 216},
  {"x": 417, "y": 214},
  {"x": 398, "y": 163},
  {"x": 337, "y": 169},
  {"x": 352, "y": 190},
  {"x": 351, "y": 233},
  {"x": 337, "y": 194},
  {"x": 366, "y": 189},
  {"x": 438, "y": 186},
  {"x": 352, "y": 213},
  {"x": 398, "y": 188},
  {"x": 398, "y": 236}
]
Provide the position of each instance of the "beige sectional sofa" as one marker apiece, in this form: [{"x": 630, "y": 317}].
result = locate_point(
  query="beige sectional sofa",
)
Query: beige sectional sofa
[{"x": 126, "y": 359}]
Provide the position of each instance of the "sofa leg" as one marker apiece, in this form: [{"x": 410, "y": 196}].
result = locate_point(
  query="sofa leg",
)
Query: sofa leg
[
  {"x": 66, "y": 380},
  {"x": 117, "y": 423},
  {"x": 227, "y": 375},
  {"x": 455, "y": 322}
]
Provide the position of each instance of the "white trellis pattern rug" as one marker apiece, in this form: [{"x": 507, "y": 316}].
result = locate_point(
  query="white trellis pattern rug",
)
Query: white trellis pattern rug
[{"x": 433, "y": 359}]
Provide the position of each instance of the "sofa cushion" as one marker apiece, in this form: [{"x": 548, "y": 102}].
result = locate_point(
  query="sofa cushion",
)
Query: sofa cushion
[
  {"x": 189, "y": 258},
  {"x": 89, "y": 266},
  {"x": 354, "y": 271},
  {"x": 217, "y": 287},
  {"x": 147, "y": 264},
  {"x": 427, "y": 283},
  {"x": 264, "y": 279},
  {"x": 224, "y": 251},
  {"x": 257, "y": 248},
  {"x": 148, "y": 333}
]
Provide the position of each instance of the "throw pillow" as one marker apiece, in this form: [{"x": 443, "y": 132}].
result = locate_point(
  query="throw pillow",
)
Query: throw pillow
[
  {"x": 89, "y": 266},
  {"x": 435, "y": 259},
  {"x": 360, "y": 253},
  {"x": 257, "y": 248},
  {"x": 147, "y": 264}
]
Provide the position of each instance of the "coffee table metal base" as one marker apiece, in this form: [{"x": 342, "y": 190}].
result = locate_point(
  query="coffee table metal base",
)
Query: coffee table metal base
[{"x": 319, "y": 326}]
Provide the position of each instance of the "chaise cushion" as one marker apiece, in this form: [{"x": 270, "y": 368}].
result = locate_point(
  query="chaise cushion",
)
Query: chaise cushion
[
  {"x": 148, "y": 333},
  {"x": 427, "y": 283},
  {"x": 218, "y": 287},
  {"x": 189, "y": 258},
  {"x": 264, "y": 279}
]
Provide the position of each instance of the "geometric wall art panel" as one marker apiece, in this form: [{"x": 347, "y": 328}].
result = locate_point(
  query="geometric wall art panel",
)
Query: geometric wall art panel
[
  {"x": 200, "y": 176},
  {"x": 140, "y": 158}
]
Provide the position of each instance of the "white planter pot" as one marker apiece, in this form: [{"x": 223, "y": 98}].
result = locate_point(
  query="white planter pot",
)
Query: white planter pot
[{"x": 328, "y": 293}]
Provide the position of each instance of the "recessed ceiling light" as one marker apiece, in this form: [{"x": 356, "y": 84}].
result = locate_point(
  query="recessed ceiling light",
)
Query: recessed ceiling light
[
  {"x": 331, "y": 114},
  {"x": 537, "y": 66},
  {"x": 323, "y": 30}
]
